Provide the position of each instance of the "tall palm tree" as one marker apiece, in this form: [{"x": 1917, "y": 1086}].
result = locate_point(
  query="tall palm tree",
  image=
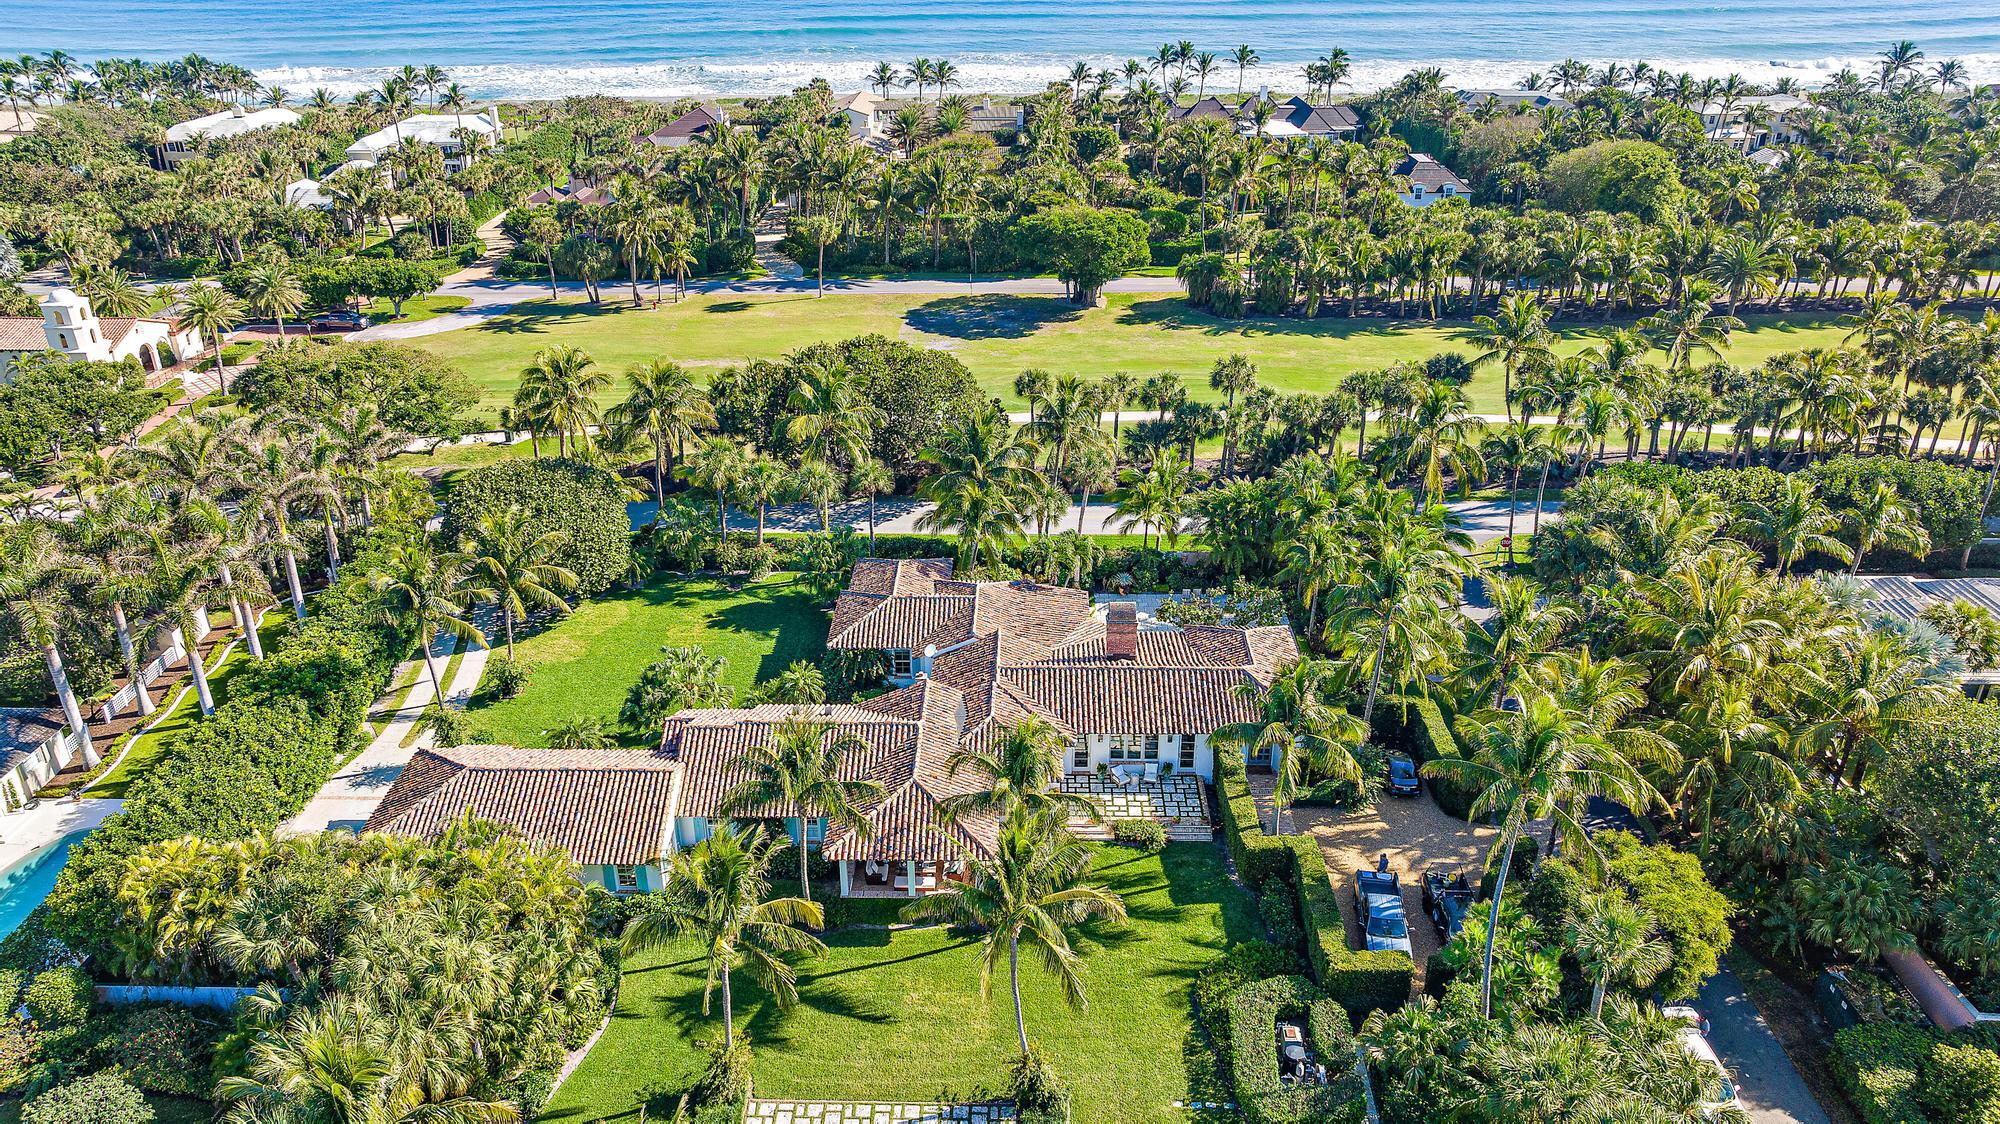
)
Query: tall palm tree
[
  {"x": 213, "y": 310},
  {"x": 107, "y": 553},
  {"x": 1614, "y": 941},
  {"x": 796, "y": 772},
  {"x": 270, "y": 471},
  {"x": 1301, "y": 724},
  {"x": 668, "y": 407},
  {"x": 1409, "y": 568},
  {"x": 31, "y": 568},
  {"x": 515, "y": 567},
  {"x": 423, "y": 592},
  {"x": 559, "y": 387},
  {"x": 715, "y": 895},
  {"x": 272, "y": 289},
  {"x": 718, "y": 465},
  {"x": 1538, "y": 764},
  {"x": 871, "y": 479},
  {"x": 833, "y": 414},
  {"x": 185, "y": 582},
  {"x": 1032, "y": 891},
  {"x": 1518, "y": 336},
  {"x": 1245, "y": 57},
  {"x": 984, "y": 479}
]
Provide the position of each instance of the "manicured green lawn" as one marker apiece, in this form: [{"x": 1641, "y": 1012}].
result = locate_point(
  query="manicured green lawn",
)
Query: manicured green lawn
[
  {"x": 146, "y": 747},
  {"x": 383, "y": 311},
  {"x": 585, "y": 663},
  {"x": 897, "y": 1016},
  {"x": 998, "y": 336}
]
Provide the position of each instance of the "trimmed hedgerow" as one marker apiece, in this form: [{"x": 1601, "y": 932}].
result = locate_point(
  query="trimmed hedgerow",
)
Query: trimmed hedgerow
[
  {"x": 1252, "y": 1045},
  {"x": 581, "y": 502},
  {"x": 1293, "y": 864},
  {"x": 1880, "y": 1066},
  {"x": 1425, "y": 734}
]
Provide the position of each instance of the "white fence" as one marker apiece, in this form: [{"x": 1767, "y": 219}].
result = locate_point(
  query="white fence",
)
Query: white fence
[{"x": 175, "y": 653}]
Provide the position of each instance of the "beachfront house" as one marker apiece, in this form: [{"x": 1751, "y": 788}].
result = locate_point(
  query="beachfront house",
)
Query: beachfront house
[
  {"x": 1755, "y": 121},
  {"x": 865, "y": 115},
  {"x": 69, "y": 326},
  {"x": 1427, "y": 181},
  {"x": 688, "y": 128},
  {"x": 188, "y": 138},
  {"x": 1513, "y": 100},
  {"x": 1295, "y": 118},
  {"x": 988, "y": 119},
  {"x": 1137, "y": 701},
  {"x": 457, "y": 135}
]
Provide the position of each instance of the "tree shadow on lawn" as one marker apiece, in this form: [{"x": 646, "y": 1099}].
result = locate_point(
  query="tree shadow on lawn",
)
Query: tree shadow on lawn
[
  {"x": 992, "y": 317},
  {"x": 791, "y": 619},
  {"x": 538, "y": 316},
  {"x": 1175, "y": 314}
]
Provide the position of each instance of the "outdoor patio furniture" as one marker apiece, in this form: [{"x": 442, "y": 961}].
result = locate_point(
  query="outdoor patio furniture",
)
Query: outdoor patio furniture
[
  {"x": 1151, "y": 771},
  {"x": 1295, "y": 1053}
]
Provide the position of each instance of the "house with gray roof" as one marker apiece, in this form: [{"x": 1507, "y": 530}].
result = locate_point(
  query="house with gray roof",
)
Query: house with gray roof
[
  {"x": 35, "y": 744},
  {"x": 1136, "y": 701}
]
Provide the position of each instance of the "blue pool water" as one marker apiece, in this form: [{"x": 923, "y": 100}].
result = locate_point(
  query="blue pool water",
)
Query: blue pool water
[{"x": 23, "y": 888}]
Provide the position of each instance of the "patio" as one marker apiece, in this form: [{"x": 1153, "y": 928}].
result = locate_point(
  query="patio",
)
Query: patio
[{"x": 1178, "y": 802}]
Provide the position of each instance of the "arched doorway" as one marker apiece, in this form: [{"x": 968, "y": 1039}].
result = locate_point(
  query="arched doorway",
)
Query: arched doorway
[{"x": 147, "y": 360}]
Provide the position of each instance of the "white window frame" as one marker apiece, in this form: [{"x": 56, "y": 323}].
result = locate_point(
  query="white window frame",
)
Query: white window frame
[
  {"x": 1134, "y": 747},
  {"x": 1187, "y": 751},
  {"x": 625, "y": 879},
  {"x": 1079, "y": 755},
  {"x": 902, "y": 663}
]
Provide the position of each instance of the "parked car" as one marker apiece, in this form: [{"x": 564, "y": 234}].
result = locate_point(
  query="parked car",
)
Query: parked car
[
  {"x": 1403, "y": 778},
  {"x": 1448, "y": 897},
  {"x": 1723, "y": 1096},
  {"x": 339, "y": 320},
  {"x": 1378, "y": 901}
]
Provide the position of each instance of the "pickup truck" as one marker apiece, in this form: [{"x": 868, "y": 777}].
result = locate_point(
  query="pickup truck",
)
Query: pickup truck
[{"x": 1378, "y": 902}]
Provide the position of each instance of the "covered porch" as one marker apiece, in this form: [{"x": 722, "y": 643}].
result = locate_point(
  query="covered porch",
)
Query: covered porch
[{"x": 898, "y": 878}]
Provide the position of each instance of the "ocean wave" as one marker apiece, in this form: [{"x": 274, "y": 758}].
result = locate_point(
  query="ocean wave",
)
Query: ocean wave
[{"x": 1004, "y": 74}]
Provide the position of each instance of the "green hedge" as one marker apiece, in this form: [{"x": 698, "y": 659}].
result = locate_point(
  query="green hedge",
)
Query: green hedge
[
  {"x": 1899, "y": 1074},
  {"x": 582, "y": 502},
  {"x": 1360, "y": 981},
  {"x": 1254, "y": 1011},
  {"x": 1422, "y": 731}
]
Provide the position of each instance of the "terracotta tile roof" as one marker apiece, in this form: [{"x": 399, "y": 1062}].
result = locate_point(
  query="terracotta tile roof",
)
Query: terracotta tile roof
[
  {"x": 603, "y": 806},
  {"x": 1124, "y": 698},
  {"x": 22, "y": 333}
]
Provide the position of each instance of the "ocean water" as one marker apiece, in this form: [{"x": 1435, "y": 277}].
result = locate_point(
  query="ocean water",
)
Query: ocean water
[{"x": 667, "y": 48}]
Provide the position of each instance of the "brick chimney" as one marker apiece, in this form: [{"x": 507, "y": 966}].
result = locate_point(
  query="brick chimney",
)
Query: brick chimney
[{"x": 1121, "y": 630}]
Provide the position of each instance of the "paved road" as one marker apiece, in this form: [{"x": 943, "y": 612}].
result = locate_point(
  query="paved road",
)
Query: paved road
[
  {"x": 1767, "y": 1083},
  {"x": 1484, "y": 520}
]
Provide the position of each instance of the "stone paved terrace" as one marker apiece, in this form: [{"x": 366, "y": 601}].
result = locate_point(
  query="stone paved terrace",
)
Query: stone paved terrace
[
  {"x": 873, "y": 1112},
  {"x": 1179, "y": 802}
]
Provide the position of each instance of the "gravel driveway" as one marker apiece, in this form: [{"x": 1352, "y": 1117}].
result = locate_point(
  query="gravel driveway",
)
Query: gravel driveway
[{"x": 1414, "y": 832}]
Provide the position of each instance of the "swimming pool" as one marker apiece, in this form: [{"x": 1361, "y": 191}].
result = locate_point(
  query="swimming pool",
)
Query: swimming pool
[{"x": 24, "y": 887}]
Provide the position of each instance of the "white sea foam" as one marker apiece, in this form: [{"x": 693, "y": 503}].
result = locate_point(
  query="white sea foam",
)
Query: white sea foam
[{"x": 1000, "y": 74}]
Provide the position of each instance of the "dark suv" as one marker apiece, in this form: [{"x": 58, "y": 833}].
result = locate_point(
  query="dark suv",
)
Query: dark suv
[
  {"x": 1448, "y": 897},
  {"x": 340, "y": 320}
]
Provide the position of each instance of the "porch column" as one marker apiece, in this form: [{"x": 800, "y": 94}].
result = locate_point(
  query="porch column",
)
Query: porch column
[
  {"x": 843, "y": 878},
  {"x": 912, "y": 867}
]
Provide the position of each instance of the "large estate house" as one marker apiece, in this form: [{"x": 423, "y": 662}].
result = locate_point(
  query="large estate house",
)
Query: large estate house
[
  {"x": 188, "y": 138},
  {"x": 1291, "y": 118},
  {"x": 449, "y": 133},
  {"x": 1137, "y": 701},
  {"x": 69, "y": 326}
]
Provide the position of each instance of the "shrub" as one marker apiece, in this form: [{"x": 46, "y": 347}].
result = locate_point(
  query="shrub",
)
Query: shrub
[
  {"x": 100, "y": 1098},
  {"x": 1880, "y": 1067},
  {"x": 1947, "y": 497},
  {"x": 1963, "y": 1084},
  {"x": 164, "y": 1048},
  {"x": 1242, "y": 964},
  {"x": 1671, "y": 887},
  {"x": 60, "y": 998},
  {"x": 20, "y": 1048},
  {"x": 1281, "y": 918},
  {"x": 13, "y": 981},
  {"x": 507, "y": 676},
  {"x": 583, "y": 503},
  {"x": 1147, "y": 835},
  {"x": 1252, "y": 1049},
  {"x": 1039, "y": 1094}
]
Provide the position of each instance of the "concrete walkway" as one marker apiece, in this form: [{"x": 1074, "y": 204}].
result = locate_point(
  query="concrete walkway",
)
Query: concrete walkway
[
  {"x": 873, "y": 1112},
  {"x": 346, "y": 800},
  {"x": 1767, "y": 1083},
  {"x": 25, "y": 833}
]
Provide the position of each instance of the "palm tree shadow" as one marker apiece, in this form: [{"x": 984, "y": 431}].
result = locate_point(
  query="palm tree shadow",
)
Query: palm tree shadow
[{"x": 990, "y": 317}]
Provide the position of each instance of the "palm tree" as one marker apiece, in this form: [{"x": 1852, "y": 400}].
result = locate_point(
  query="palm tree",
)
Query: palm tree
[
  {"x": 272, "y": 289},
  {"x": 1021, "y": 775},
  {"x": 1410, "y": 566},
  {"x": 514, "y": 565},
  {"x": 1245, "y": 57},
  {"x": 212, "y": 310},
  {"x": 1520, "y": 446},
  {"x": 1031, "y": 890},
  {"x": 112, "y": 292},
  {"x": 558, "y": 391},
  {"x": 271, "y": 473},
  {"x": 985, "y": 476},
  {"x": 1299, "y": 726},
  {"x": 421, "y": 595},
  {"x": 1884, "y": 518},
  {"x": 716, "y": 895},
  {"x": 885, "y": 77},
  {"x": 665, "y": 404},
  {"x": 31, "y": 567},
  {"x": 797, "y": 770},
  {"x": 107, "y": 554},
  {"x": 1614, "y": 941},
  {"x": 871, "y": 478},
  {"x": 719, "y": 466},
  {"x": 1538, "y": 764},
  {"x": 1518, "y": 336},
  {"x": 832, "y": 411},
  {"x": 184, "y": 582},
  {"x": 1231, "y": 376},
  {"x": 1794, "y": 523}
]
